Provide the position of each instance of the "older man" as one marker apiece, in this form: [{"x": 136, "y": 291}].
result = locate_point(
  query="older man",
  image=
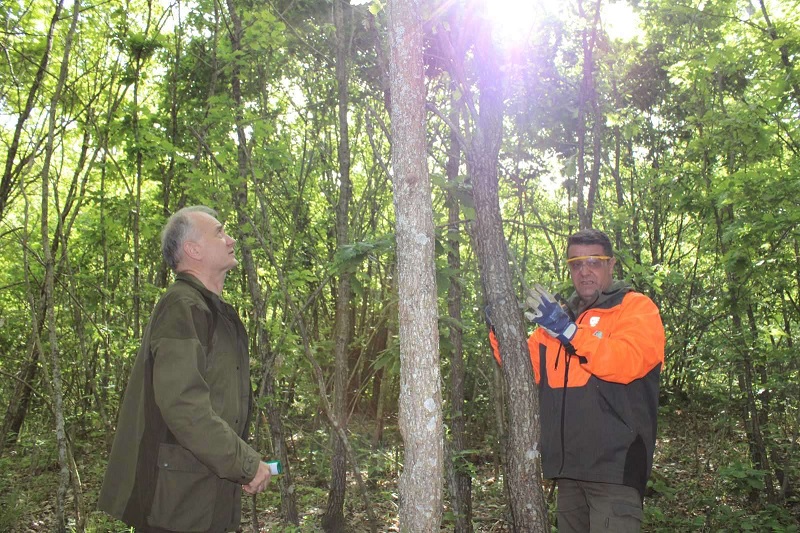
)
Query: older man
[
  {"x": 597, "y": 360},
  {"x": 179, "y": 459}
]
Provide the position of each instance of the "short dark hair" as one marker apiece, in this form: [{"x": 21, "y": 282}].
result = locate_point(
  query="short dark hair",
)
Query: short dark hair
[
  {"x": 589, "y": 237},
  {"x": 176, "y": 231}
]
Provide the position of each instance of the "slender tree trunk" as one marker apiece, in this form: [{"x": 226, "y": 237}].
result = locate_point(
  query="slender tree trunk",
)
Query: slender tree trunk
[
  {"x": 162, "y": 277},
  {"x": 10, "y": 172},
  {"x": 135, "y": 212},
  {"x": 587, "y": 101},
  {"x": 19, "y": 400},
  {"x": 379, "y": 389},
  {"x": 745, "y": 378},
  {"x": 49, "y": 282},
  {"x": 266, "y": 242},
  {"x": 105, "y": 341},
  {"x": 278, "y": 435},
  {"x": 333, "y": 518},
  {"x": 384, "y": 380},
  {"x": 420, "y": 411},
  {"x": 523, "y": 471},
  {"x": 239, "y": 193},
  {"x": 616, "y": 170},
  {"x": 23, "y": 387},
  {"x": 459, "y": 477},
  {"x": 139, "y": 58}
]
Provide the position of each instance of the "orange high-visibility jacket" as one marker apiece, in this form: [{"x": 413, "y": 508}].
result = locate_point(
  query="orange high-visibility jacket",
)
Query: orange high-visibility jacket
[{"x": 598, "y": 408}]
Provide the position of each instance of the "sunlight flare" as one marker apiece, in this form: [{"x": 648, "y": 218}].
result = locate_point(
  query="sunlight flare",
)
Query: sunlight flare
[{"x": 512, "y": 19}]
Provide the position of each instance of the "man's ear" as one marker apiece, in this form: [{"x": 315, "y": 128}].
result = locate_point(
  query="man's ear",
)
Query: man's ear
[{"x": 192, "y": 249}]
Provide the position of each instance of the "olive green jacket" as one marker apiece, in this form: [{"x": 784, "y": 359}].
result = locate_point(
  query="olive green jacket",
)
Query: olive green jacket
[{"x": 179, "y": 457}]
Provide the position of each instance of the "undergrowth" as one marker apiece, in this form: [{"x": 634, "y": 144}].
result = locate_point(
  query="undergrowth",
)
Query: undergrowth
[{"x": 701, "y": 481}]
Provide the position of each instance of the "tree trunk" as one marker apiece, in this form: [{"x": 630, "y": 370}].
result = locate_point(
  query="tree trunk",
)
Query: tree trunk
[
  {"x": 239, "y": 194},
  {"x": 139, "y": 56},
  {"x": 49, "y": 283},
  {"x": 19, "y": 401},
  {"x": 333, "y": 518},
  {"x": 383, "y": 382},
  {"x": 163, "y": 272},
  {"x": 459, "y": 477},
  {"x": 751, "y": 416},
  {"x": 10, "y": 172},
  {"x": 420, "y": 410},
  {"x": 275, "y": 420},
  {"x": 587, "y": 100},
  {"x": 528, "y": 509}
]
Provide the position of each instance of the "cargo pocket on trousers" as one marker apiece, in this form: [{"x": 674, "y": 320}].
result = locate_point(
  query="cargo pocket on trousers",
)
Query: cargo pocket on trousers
[
  {"x": 624, "y": 518},
  {"x": 184, "y": 493}
]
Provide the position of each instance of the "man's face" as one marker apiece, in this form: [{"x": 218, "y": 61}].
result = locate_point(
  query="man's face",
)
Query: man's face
[
  {"x": 215, "y": 246},
  {"x": 590, "y": 273}
]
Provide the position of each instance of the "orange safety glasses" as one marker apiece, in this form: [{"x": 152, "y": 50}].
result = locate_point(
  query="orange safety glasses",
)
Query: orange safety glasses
[{"x": 592, "y": 261}]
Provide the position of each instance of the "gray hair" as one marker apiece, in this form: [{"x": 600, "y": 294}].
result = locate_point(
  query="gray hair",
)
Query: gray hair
[{"x": 177, "y": 230}]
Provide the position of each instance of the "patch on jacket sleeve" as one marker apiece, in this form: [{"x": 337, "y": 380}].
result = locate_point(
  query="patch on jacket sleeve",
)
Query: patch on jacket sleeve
[{"x": 598, "y": 334}]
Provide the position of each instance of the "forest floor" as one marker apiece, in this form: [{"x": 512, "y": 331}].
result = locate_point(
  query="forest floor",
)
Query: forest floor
[{"x": 699, "y": 483}]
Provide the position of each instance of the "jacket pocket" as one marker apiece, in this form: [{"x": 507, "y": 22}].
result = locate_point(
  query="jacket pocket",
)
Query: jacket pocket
[{"x": 185, "y": 491}]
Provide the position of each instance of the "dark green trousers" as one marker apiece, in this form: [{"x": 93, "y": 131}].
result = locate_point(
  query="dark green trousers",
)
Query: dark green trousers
[{"x": 590, "y": 507}]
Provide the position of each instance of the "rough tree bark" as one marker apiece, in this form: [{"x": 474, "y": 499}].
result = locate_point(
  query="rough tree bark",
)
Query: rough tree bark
[
  {"x": 420, "y": 411},
  {"x": 523, "y": 471}
]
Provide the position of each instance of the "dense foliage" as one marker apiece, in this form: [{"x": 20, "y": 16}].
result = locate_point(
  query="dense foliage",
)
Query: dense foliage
[{"x": 680, "y": 139}]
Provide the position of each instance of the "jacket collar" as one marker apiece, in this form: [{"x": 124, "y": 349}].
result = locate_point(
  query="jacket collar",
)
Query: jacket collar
[
  {"x": 198, "y": 285},
  {"x": 607, "y": 298}
]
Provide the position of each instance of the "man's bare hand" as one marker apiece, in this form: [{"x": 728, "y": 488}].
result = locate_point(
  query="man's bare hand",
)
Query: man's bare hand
[{"x": 260, "y": 481}]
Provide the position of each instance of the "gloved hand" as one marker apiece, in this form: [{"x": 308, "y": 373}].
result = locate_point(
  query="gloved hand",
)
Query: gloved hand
[
  {"x": 543, "y": 309},
  {"x": 487, "y": 316}
]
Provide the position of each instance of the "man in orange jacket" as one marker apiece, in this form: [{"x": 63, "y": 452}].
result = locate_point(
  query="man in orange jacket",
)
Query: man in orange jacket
[{"x": 597, "y": 361}]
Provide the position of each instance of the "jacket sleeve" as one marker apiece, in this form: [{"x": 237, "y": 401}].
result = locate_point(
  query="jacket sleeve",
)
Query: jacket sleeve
[
  {"x": 532, "y": 348},
  {"x": 534, "y": 341},
  {"x": 183, "y": 397},
  {"x": 631, "y": 349},
  {"x": 495, "y": 347}
]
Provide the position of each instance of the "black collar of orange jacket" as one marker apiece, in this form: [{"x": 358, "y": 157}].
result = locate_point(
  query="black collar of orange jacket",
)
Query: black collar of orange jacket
[{"x": 609, "y": 298}]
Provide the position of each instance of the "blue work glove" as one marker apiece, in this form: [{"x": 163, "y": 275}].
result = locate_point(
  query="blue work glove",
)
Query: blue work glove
[
  {"x": 543, "y": 309},
  {"x": 487, "y": 316}
]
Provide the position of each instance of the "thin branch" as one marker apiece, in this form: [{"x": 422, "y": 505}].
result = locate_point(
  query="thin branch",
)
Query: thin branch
[{"x": 462, "y": 141}]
